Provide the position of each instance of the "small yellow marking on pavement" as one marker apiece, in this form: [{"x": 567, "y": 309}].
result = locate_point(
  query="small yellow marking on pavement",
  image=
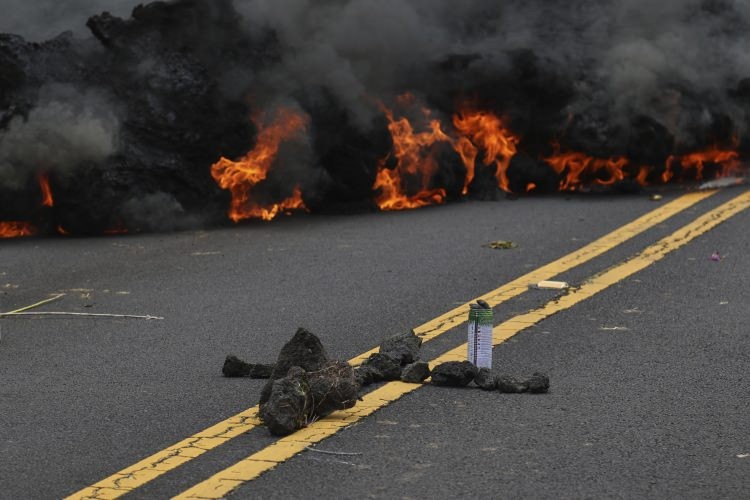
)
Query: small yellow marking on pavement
[
  {"x": 228, "y": 480},
  {"x": 172, "y": 457}
]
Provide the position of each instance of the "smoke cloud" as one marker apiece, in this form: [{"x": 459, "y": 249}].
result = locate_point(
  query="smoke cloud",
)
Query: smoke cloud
[
  {"x": 608, "y": 78},
  {"x": 41, "y": 20},
  {"x": 67, "y": 130}
]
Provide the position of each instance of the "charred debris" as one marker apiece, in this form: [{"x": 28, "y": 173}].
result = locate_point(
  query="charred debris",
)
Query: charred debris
[{"x": 304, "y": 385}]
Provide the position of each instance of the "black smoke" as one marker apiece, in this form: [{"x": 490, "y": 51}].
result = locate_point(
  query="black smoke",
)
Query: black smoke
[{"x": 127, "y": 112}]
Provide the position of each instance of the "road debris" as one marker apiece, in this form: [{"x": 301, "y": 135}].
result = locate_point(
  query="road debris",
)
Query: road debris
[
  {"x": 235, "y": 367},
  {"x": 305, "y": 385},
  {"x": 538, "y": 383},
  {"x": 415, "y": 373},
  {"x": 454, "y": 374},
  {"x": 341, "y": 453},
  {"x": 479, "y": 340},
  {"x": 656, "y": 197},
  {"x": 485, "y": 379},
  {"x": 501, "y": 245},
  {"x": 24, "y": 312},
  {"x": 304, "y": 350},
  {"x": 34, "y": 306},
  {"x": 382, "y": 367},
  {"x": 404, "y": 348},
  {"x": 510, "y": 385},
  {"x": 89, "y": 315},
  {"x": 551, "y": 285},
  {"x": 716, "y": 256}
]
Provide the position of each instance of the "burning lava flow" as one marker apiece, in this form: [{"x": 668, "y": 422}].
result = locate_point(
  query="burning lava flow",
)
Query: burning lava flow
[
  {"x": 476, "y": 131},
  {"x": 241, "y": 176},
  {"x": 484, "y": 131},
  {"x": 18, "y": 229},
  {"x": 415, "y": 161},
  {"x": 483, "y": 135},
  {"x": 409, "y": 177}
]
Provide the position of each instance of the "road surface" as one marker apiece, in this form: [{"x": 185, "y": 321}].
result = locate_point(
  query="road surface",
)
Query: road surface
[{"x": 650, "y": 392}]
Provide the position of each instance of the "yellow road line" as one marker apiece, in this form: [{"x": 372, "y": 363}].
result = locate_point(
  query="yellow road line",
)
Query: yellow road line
[
  {"x": 163, "y": 461},
  {"x": 231, "y": 478}
]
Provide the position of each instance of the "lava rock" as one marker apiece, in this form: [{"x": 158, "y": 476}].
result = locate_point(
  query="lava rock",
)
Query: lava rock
[
  {"x": 454, "y": 374},
  {"x": 485, "y": 379},
  {"x": 538, "y": 383},
  {"x": 304, "y": 350},
  {"x": 383, "y": 367},
  {"x": 364, "y": 376},
  {"x": 332, "y": 388},
  {"x": 288, "y": 405},
  {"x": 404, "y": 348},
  {"x": 415, "y": 373},
  {"x": 508, "y": 384},
  {"x": 235, "y": 367}
]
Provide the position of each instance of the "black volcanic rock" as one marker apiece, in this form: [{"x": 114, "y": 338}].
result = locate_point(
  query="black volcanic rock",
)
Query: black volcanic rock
[
  {"x": 287, "y": 408},
  {"x": 403, "y": 348},
  {"x": 485, "y": 379},
  {"x": 304, "y": 350},
  {"x": 415, "y": 373},
  {"x": 364, "y": 376},
  {"x": 235, "y": 367},
  {"x": 508, "y": 384},
  {"x": 333, "y": 387},
  {"x": 454, "y": 374},
  {"x": 382, "y": 367},
  {"x": 538, "y": 383}
]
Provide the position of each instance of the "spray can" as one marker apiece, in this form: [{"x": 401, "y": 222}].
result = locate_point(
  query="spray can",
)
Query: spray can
[{"x": 480, "y": 335}]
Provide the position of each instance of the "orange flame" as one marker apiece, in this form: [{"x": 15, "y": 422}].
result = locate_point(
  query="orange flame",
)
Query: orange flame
[
  {"x": 415, "y": 159},
  {"x": 47, "y": 199},
  {"x": 485, "y": 131},
  {"x": 269, "y": 213},
  {"x": 16, "y": 229},
  {"x": 728, "y": 161},
  {"x": 579, "y": 168},
  {"x": 241, "y": 176}
]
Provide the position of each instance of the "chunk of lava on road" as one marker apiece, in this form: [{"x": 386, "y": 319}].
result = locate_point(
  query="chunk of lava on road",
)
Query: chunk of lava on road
[
  {"x": 382, "y": 367},
  {"x": 454, "y": 374},
  {"x": 508, "y": 384},
  {"x": 538, "y": 383},
  {"x": 235, "y": 367},
  {"x": 404, "y": 348},
  {"x": 288, "y": 404},
  {"x": 415, "y": 373},
  {"x": 304, "y": 350},
  {"x": 364, "y": 375},
  {"x": 302, "y": 397},
  {"x": 332, "y": 388},
  {"x": 485, "y": 379}
]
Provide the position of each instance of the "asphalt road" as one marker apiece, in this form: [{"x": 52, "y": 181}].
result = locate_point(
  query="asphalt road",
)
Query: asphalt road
[{"x": 650, "y": 392}]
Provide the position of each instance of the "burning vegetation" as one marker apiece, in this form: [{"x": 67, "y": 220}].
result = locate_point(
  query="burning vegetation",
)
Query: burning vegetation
[{"x": 189, "y": 108}]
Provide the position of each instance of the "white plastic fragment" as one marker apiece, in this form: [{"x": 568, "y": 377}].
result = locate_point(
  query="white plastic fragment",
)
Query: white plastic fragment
[{"x": 551, "y": 285}]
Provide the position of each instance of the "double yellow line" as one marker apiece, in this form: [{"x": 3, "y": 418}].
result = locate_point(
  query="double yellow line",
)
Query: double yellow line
[{"x": 233, "y": 477}]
